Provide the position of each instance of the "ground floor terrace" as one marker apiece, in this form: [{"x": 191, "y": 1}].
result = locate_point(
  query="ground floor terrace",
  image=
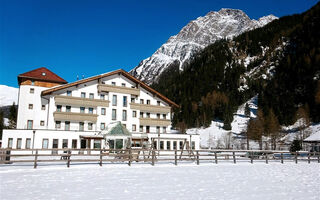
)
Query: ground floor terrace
[{"x": 164, "y": 181}]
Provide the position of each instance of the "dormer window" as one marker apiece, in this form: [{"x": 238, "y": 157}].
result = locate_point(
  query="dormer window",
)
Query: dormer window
[
  {"x": 43, "y": 73},
  {"x": 123, "y": 85},
  {"x": 113, "y": 83}
]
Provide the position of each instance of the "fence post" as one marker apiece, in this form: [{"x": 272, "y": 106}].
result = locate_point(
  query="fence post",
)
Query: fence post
[
  {"x": 296, "y": 157},
  {"x": 35, "y": 159},
  {"x": 215, "y": 157},
  {"x": 197, "y": 157},
  {"x": 68, "y": 157},
  {"x": 281, "y": 158},
  {"x": 152, "y": 157},
  {"x": 251, "y": 158},
  {"x": 318, "y": 157},
  {"x": 234, "y": 157},
  {"x": 175, "y": 157},
  {"x": 130, "y": 156},
  {"x": 267, "y": 158},
  {"x": 309, "y": 158},
  {"x": 100, "y": 163}
]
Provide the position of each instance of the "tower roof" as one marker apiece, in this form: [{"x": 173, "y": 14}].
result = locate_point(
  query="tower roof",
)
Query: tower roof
[{"x": 42, "y": 74}]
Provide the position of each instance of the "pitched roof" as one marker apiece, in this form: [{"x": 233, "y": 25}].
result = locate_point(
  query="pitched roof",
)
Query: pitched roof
[
  {"x": 119, "y": 71},
  {"x": 43, "y": 74},
  {"x": 117, "y": 128}
]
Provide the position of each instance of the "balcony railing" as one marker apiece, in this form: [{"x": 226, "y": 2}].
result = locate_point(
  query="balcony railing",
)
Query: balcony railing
[
  {"x": 69, "y": 100},
  {"x": 71, "y": 116},
  {"x": 150, "y": 108},
  {"x": 118, "y": 89},
  {"x": 154, "y": 122}
]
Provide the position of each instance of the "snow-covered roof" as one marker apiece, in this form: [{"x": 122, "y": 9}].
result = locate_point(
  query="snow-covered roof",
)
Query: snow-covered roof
[{"x": 313, "y": 138}]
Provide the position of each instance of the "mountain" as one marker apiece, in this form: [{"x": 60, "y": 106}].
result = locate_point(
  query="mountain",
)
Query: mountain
[
  {"x": 279, "y": 62},
  {"x": 8, "y": 95},
  {"x": 194, "y": 37}
]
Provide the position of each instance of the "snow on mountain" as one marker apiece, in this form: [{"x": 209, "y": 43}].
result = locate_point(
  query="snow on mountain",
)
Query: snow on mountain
[
  {"x": 195, "y": 36},
  {"x": 8, "y": 95}
]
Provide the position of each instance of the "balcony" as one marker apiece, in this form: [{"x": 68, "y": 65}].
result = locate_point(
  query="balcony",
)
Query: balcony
[
  {"x": 85, "y": 102},
  {"x": 154, "y": 122},
  {"x": 71, "y": 116},
  {"x": 118, "y": 89},
  {"x": 150, "y": 108}
]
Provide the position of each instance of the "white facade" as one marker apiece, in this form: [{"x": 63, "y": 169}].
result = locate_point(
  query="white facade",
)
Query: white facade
[{"x": 84, "y": 108}]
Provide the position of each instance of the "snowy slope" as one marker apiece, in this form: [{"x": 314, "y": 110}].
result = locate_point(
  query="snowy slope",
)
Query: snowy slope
[
  {"x": 214, "y": 135},
  {"x": 8, "y": 95},
  {"x": 195, "y": 36}
]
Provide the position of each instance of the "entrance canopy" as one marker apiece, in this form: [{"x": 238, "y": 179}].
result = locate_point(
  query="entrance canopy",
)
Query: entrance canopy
[{"x": 116, "y": 129}]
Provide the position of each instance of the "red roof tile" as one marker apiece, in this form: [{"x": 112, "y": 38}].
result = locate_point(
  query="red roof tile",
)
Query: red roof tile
[{"x": 43, "y": 74}]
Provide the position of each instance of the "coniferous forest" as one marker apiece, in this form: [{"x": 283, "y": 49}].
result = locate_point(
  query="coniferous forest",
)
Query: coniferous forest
[{"x": 284, "y": 73}]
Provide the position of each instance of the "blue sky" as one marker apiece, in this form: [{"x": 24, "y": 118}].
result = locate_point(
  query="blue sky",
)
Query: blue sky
[{"x": 89, "y": 37}]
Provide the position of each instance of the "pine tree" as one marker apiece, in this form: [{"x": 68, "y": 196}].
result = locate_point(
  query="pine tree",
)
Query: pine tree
[
  {"x": 13, "y": 117},
  {"x": 1, "y": 123},
  {"x": 247, "y": 110}
]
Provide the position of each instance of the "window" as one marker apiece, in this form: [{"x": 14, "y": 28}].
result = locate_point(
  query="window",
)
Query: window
[
  {"x": 65, "y": 143},
  {"x": 141, "y": 129},
  {"x": 81, "y": 126},
  {"x": 148, "y": 129},
  {"x": 148, "y": 102},
  {"x": 59, "y": 108},
  {"x": 164, "y": 129},
  {"x": 30, "y": 124},
  {"x": 164, "y": 116},
  {"x": 43, "y": 107},
  {"x": 114, "y": 114},
  {"x": 113, "y": 83},
  {"x": 102, "y": 96},
  {"x": 83, "y": 95},
  {"x": 32, "y": 82},
  {"x": 141, "y": 114},
  {"x": 103, "y": 111},
  {"x": 55, "y": 144},
  {"x": 158, "y": 103},
  {"x": 28, "y": 143},
  {"x": 90, "y": 110},
  {"x": 168, "y": 145},
  {"x": 158, "y": 129},
  {"x": 161, "y": 144},
  {"x": 114, "y": 100},
  {"x": 69, "y": 93},
  {"x": 123, "y": 84},
  {"x": 97, "y": 144},
  {"x": 58, "y": 124},
  {"x": 181, "y": 144},
  {"x": 125, "y": 101},
  {"x": 155, "y": 144},
  {"x": 148, "y": 115},
  {"x": 45, "y": 143},
  {"x": 134, "y": 113},
  {"x": 141, "y": 101},
  {"x": 90, "y": 125},
  {"x": 119, "y": 143},
  {"x": 19, "y": 142},
  {"x": 91, "y": 96},
  {"x": 158, "y": 116},
  {"x": 10, "y": 141},
  {"x": 74, "y": 144},
  {"x": 68, "y": 108},
  {"x": 132, "y": 100},
  {"x": 111, "y": 144},
  {"x": 134, "y": 127},
  {"x": 67, "y": 126},
  {"x": 31, "y": 90},
  {"x": 174, "y": 144},
  {"x": 30, "y": 106},
  {"x": 42, "y": 123},
  {"x": 193, "y": 145},
  {"x": 102, "y": 126},
  {"x": 124, "y": 115},
  {"x": 82, "y": 109}
]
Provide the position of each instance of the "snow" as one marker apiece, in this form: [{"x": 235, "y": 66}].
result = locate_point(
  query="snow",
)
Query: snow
[
  {"x": 215, "y": 134},
  {"x": 6, "y": 121},
  {"x": 8, "y": 95},
  {"x": 162, "y": 181},
  {"x": 316, "y": 134}
]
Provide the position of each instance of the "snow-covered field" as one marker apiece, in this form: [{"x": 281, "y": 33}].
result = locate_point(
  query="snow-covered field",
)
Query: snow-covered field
[{"x": 162, "y": 181}]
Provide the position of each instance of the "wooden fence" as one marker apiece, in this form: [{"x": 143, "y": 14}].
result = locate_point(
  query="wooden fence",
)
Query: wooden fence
[{"x": 151, "y": 156}]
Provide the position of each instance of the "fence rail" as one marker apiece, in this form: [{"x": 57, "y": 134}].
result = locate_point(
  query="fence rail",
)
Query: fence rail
[{"x": 151, "y": 156}]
